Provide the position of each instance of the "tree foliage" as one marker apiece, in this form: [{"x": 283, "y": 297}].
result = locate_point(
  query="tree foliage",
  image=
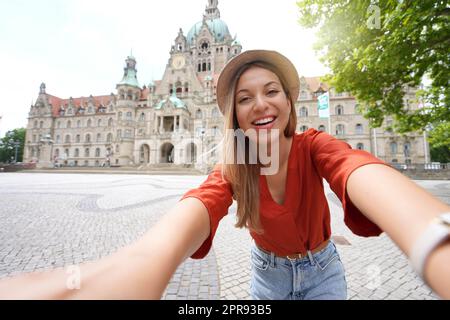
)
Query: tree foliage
[
  {"x": 377, "y": 49},
  {"x": 7, "y": 147}
]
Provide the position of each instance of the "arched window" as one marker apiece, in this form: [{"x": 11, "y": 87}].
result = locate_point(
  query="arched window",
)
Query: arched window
[
  {"x": 89, "y": 123},
  {"x": 129, "y": 116},
  {"x": 322, "y": 128},
  {"x": 109, "y": 137},
  {"x": 99, "y": 137},
  {"x": 67, "y": 140},
  {"x": 142, "y": 117},
  {"x": 69, "y": 124},
  {"x": 199, "y": 114},
  {"x": 86, "y": 152},
  {"x": 340, "y": 130},
  {"x": 110, "y": 122},
  {"x": 97, "y": 152},
  {"x": 88, "y": 138},
  {"x": 99, "y": 123},
  {"x": 35, "y": 124},
  {"x": 58, "y": 138},
  {"x": 407, "y": 149},
  {"x": 339, "y": 110},
  {"x": 41, "y": 124},
  {"x": 57, "y": 153},
  {"x": 77, "y": 138},
  {"x": 303, "y": 128},
  {"x": 79, "y": 124},
  {"x": 67, "y": 152},
  {"x": 359, "y": 129},
  {"x": 303, "y": 112},
  {"x": 394, "y": 148},
  {"x": 77, "y": 153},
  {"x": 360, "y": 146},
  {"x": 204, "y": 66}
]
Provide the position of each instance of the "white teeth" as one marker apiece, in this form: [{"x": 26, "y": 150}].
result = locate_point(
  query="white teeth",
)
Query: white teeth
[{"x": 264, "y": 121}]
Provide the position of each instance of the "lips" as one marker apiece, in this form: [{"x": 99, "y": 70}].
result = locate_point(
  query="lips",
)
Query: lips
[{"x": 264, "y": 123}]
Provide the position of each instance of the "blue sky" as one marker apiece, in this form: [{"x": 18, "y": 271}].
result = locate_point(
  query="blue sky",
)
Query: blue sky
[{"x": 78, "y": 47}]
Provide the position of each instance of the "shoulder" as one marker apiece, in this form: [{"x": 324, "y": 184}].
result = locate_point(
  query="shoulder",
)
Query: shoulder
[
  {"x": 318, "y": 142},
  {"x": 310, "y": 136}
]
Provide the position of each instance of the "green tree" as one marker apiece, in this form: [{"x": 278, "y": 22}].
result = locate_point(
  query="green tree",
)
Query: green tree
[
  {"x": 7, "y": 146},
  {"x": 377, "y": 49},
  {"x": 440, "y": 142}
]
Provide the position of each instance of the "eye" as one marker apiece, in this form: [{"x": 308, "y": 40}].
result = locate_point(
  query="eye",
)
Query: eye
[
  {"x": 272, "y": 92},
  {"x": 243, "y": 99}
]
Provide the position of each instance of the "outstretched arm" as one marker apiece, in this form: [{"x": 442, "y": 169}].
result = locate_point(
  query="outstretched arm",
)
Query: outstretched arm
[
  {"x": 403, "y": 210},
  {"x": 139, "y": 271}
]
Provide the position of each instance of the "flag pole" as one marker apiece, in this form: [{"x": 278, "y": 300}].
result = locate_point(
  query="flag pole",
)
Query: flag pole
[{"x": 329, "y": 114}]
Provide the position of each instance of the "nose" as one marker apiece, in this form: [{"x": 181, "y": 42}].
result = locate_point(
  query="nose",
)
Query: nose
[{"x": 260, "y": 103}]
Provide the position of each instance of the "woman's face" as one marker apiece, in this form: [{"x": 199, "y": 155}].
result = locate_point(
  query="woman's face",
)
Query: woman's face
[{"x": 260, "y": 101}]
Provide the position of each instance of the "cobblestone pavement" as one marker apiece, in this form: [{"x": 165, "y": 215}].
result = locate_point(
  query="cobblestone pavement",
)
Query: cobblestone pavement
[{"x": 55, "y": 220}]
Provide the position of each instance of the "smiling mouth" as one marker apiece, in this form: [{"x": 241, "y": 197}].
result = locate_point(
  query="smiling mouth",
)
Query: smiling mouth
[{"x": 264, "y": 122}]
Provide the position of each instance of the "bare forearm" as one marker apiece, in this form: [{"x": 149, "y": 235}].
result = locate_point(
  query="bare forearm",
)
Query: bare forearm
[
  {"x": 139, "y": 271},
  {"x": 403, "y": 210}
]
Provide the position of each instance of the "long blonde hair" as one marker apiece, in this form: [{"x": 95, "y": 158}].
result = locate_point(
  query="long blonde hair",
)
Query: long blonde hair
[{"x": 244, "y": 178}]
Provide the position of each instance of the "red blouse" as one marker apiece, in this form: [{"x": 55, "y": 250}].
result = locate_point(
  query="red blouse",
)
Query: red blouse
[{"x": 303, "y": 222}]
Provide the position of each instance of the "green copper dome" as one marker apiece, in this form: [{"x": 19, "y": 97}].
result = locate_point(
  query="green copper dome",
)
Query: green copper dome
[
  {"x": 179, "y": 104},
  {"x": 236, "y": 43},
  {"x": 130, "y": 79},
  {"x": 218, "y": 28}
]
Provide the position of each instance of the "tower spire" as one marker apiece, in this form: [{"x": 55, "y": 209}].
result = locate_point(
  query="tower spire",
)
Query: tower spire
[
  {"x": 212, "y": 11},
  {"x": 130, "y": 73}
]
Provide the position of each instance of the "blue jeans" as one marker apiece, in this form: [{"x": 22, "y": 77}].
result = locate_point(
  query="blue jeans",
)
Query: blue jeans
[{"x": 319, "y": 276}]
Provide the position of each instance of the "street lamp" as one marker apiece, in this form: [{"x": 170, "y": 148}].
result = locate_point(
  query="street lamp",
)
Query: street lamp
[
  {"x": 16, "y": 145},
  {"x": 202, "y": 133}
]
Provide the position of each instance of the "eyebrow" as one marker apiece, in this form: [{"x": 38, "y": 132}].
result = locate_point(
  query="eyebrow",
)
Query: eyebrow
[{"x": 266, "y": 85}]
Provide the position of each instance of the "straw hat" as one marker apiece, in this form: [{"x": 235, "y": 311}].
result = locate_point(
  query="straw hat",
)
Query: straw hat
[{"x": 285, "y": 66}]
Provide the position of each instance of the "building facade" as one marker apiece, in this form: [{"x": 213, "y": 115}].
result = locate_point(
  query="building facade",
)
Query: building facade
[{"x": 176, "y": 120}]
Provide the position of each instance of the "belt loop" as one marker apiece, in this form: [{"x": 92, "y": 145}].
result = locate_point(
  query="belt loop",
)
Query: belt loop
[
  {"x": 311, "y": 259},
  {"x": 272, "y": 259}
]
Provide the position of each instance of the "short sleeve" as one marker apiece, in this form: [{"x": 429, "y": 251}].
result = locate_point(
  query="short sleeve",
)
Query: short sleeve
[
  {"x": 335, "y": 161},
  {"x": 216, "y": 195}
]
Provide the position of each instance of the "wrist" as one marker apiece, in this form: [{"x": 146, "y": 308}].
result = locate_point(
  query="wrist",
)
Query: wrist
[{"x": 434, "y": 238}]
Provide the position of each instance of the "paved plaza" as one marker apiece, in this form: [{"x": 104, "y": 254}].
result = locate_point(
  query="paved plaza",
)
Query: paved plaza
[{"x": 55, "y": 220}]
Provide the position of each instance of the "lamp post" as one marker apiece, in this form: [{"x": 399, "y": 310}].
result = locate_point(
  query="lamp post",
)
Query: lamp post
[
  {"x": 203, "y": 164},
  {"x": 16, "y": 145}
]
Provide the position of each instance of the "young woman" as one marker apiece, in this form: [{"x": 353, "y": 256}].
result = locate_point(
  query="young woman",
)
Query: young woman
[{"x": 286, "y": 212}]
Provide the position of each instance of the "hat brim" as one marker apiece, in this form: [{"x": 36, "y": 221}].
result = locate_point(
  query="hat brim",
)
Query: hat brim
[{"x": 228, "y": 73}]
